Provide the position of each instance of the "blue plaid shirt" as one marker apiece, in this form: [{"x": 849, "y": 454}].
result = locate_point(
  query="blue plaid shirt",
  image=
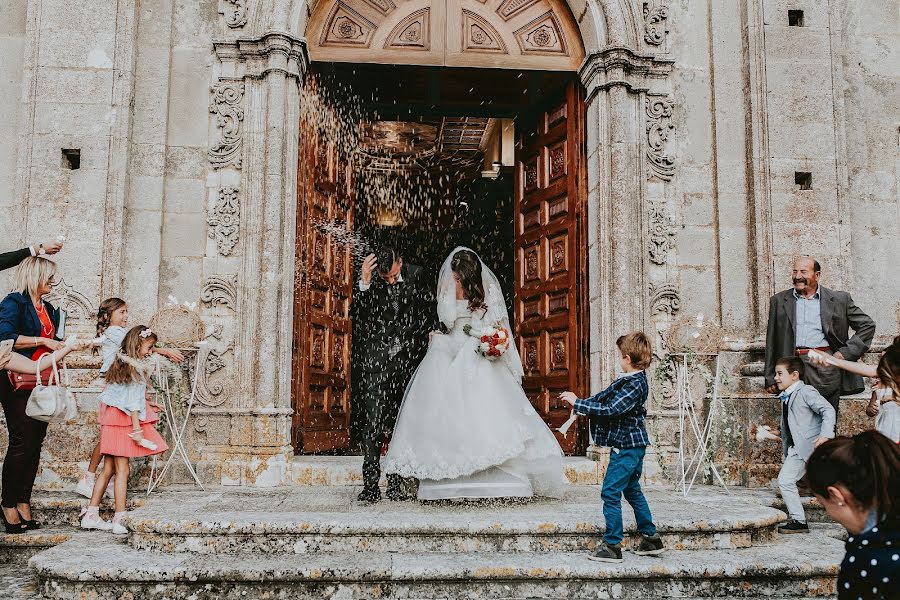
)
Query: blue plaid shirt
[{"x": 617, "y": 413}]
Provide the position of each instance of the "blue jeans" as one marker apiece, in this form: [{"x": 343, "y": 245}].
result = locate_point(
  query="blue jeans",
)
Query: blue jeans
[{"x": 623, "y": 477}]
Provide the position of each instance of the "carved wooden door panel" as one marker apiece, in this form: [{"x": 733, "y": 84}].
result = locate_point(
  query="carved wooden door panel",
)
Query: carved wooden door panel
[
  {"x": 551, "y": 274},
  {"x": 322, "y": 326}
]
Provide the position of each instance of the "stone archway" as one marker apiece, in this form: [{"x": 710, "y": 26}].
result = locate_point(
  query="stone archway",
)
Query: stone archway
[
  {"x": 520, "y": 34},
  {"x": 254, "y": 150}
]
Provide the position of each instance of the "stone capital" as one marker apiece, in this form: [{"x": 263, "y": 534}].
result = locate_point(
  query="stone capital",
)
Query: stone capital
[
  {"x": 619, "y": 66},
  {"x": 255, "y": 58}
]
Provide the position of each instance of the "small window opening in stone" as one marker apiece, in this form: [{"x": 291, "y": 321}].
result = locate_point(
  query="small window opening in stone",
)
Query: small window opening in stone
[
  {"x": 71, "y": 158},
  {"x": 803, "y": 180},
  {"x": 795, "y": 18}
]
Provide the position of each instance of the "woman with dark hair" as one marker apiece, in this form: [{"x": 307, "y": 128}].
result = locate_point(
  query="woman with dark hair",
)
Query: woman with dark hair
[
  {"x": 466, "y": 429},
  {"x": 31, "y": 323},
  {"x": 857, "y": 481}
]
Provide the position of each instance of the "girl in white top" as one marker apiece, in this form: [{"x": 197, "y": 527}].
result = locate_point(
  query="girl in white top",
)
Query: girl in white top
[
  {"x": 112, "y": 323},
  {"x": 126, "y": 425}
]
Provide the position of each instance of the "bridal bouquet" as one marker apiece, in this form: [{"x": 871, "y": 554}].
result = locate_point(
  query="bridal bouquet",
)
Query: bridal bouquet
[{"x": 493, "y": 341}]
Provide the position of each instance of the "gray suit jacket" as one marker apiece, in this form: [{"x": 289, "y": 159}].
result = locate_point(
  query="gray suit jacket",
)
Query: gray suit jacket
[
  {"x": 839, "y": 314},
  {"x": 810, "y": 417}
]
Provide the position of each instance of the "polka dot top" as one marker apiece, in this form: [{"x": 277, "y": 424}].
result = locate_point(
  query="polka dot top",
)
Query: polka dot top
[{"x": 871, "y": 566}]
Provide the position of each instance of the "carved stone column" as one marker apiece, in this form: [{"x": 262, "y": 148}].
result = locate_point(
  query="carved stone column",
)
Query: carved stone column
[
  {"x": 253, "y": 220},
  {"x": 617, "y": 80},
  {"x": 630, "y": 232}
]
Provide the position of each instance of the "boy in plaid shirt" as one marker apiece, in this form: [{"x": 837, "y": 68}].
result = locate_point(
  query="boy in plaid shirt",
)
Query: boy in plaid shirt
[{"x": 617, "y": 421}]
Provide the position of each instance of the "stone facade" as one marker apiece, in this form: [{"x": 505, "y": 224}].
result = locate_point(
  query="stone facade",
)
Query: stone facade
[{"x": 704, "y": 123}]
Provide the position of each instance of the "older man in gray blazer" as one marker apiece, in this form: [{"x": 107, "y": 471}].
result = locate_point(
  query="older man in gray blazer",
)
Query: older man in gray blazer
[
  {"x": 812, "y": 317},
  {"x": 807, "y": 421}
]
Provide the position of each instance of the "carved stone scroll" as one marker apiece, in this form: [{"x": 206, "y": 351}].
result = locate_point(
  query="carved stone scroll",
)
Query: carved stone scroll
[
  {"x": 226, "y": 105},
  {"x": 659, "y": 126},
  {"x": 664, "y": 299},
  {"x": 220, "y": 290},
  {"x": 74, "y": 302},
  {"x": 224, "y": 220},
  {"x": 236, "y": 17},
  {"x": 212, "y": 388},
  {"x": 662, "y": 232},
  {"x": 655, "y": 14}
]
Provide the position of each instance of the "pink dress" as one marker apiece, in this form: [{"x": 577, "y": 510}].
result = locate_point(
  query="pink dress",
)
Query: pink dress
[{"x": 115, "y": 423}]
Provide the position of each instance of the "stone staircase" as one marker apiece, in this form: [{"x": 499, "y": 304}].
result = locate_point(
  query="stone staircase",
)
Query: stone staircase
[
  {"x": 318, "y": 542},
  {"x": 58, "y": 513}
]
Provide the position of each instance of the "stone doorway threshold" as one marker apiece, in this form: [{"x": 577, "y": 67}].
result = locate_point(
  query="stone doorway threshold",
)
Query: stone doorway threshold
[{"x": 347, "y": 470}]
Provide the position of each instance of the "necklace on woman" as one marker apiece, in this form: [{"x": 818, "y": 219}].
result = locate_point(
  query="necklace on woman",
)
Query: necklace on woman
[{"x": 46, "y": 324}]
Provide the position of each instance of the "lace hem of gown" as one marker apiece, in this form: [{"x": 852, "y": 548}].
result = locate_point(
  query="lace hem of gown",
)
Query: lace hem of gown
[{"x": 407, "y": 465}]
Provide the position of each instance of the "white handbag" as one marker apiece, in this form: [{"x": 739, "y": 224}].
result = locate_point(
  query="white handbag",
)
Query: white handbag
[{"x": 51, "y": 403}]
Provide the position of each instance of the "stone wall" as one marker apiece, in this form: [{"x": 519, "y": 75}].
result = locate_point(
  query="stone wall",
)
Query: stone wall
[{"x": 699, "y": 117}]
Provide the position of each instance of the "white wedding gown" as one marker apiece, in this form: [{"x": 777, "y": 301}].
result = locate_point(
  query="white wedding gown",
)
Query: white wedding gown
[{"x": 466, "y": 428}]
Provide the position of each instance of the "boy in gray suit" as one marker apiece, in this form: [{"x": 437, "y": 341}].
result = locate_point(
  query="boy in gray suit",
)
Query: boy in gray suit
[{"x": 807, "y": 421}]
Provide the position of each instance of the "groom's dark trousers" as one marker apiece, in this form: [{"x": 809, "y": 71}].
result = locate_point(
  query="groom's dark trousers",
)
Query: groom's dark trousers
[
  {"x": 383, "y": 392},
  {"x": 391, "y": 324}
]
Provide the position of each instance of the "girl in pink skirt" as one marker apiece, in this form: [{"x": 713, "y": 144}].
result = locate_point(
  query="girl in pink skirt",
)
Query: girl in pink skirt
[{"x": 126, "y": 426}]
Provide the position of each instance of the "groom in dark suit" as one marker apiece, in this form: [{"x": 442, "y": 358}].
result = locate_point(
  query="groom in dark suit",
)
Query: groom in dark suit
[
  {"x": 812, "y": 317},
  {"x": 391, "y": 327}
]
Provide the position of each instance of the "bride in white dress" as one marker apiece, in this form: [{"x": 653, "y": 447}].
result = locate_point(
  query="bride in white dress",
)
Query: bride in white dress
[{"x": 466, "y": 428}]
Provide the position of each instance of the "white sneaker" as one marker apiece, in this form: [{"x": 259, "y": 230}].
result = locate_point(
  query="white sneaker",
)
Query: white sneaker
[
  {"x": 85, "y": 485},
  {"x": 137, "y": 436},
  {"x": 88, "y": 522},
  {"x": 119, "y": 529}
]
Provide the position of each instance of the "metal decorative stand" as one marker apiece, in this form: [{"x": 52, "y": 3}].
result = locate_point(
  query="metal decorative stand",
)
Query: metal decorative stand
[
  {"x": 689, "y": 421},
  {"x": 177, "y": 428}
]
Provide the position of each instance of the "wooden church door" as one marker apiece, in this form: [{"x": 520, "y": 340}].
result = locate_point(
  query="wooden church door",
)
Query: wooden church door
[
  {"x": 551, "y": 263},
  {"x": 322, "y": 326}
]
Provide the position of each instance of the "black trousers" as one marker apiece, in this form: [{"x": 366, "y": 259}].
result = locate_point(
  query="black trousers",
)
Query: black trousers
[
  {"x": 26, "y": 436},
  {"x": 383, "y": 393}
]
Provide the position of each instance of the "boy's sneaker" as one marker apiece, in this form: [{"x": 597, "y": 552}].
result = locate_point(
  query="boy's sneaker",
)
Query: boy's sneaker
[
  {"x": 650, "y": 546},
  {"x": 607, "y": 553},
  {"x": 793, "y": 526},
  {"x": 85, "y": 485}
]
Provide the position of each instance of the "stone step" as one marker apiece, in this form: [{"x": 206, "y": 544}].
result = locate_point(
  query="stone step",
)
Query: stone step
[
  {"x": 18, "y": 548},
  {"x": 321, "y": 471},
  {"x": 55, "y": 509},
  {"x": 815, "y": 512},
  {"x": 302, "y": 521},
  {"x": 18, "y": 582},
  {"x": 104, "y": 568}
]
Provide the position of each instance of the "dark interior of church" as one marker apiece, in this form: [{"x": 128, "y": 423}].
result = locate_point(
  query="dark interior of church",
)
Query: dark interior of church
[{"x": 435, "y": 164}]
